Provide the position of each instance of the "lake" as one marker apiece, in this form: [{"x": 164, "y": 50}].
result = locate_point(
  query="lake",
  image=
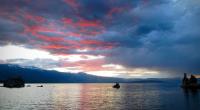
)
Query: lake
[{"x": 134, "y": 96}]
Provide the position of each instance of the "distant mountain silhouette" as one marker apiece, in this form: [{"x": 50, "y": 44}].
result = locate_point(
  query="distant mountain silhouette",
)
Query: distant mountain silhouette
[{"x": 36, "y": 75}]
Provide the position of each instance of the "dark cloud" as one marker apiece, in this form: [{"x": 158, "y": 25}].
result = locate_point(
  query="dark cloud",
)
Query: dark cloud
[
  {"x": 153, "y": 34},
  {"x": 10, "y": 32}
]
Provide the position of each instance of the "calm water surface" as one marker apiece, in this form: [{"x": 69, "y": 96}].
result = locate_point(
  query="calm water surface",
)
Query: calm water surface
[{"x": 99, "y": 97}]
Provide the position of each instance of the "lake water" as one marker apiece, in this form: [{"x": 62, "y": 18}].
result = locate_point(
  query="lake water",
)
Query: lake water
[{"x": 136, "y": 96}]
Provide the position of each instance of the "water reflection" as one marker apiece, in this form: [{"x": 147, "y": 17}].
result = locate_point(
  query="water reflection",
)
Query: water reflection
[
  {"x": 191, "y": 98},
  {"x": 100, "y": 97},
  {"x": 140, "y": 97},
  {"x": 66, "y": 97},
  {"x": 96, "y": 96}
]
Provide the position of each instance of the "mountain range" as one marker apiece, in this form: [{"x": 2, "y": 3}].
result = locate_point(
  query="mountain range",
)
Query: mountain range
[{"x": 37, "y": 75}]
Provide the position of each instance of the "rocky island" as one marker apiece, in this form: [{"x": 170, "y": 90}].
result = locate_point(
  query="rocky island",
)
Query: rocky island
[
  {"x": 190, "y": 83},
  {"x": 16, "y": 82}
]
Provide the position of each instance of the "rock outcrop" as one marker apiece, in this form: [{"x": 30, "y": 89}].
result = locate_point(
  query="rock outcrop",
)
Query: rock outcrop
[{"x": 16, "y": 82}]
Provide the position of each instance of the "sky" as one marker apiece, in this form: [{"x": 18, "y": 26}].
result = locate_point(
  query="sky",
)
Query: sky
[{"x": 117, "y": 38}]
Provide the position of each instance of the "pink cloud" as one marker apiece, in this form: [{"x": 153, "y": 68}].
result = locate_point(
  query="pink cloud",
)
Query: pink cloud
[{"x": 72, "y": 3}]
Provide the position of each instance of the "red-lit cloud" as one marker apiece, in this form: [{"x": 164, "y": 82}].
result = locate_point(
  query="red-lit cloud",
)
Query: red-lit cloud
[
  {"x": 86, "y": 65},
  {"x": 72, "y": 3},
  {"x": 115, "y": 10},
  {"x": 49, "y": 39},
  {"x": 82, "y": 23},
  {"x": 34, "y": 18},
  {"x": 67, "y": 21},
  {"x": 87, "y": 23},
  {"x": 58, "y": 35},
  {"x": 97, "y": 43},
  {"x": 56, "y": 47}
]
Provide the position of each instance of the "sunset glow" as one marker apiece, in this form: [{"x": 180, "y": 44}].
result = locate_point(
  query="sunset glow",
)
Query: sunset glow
[{"x": 140, "y": 38}]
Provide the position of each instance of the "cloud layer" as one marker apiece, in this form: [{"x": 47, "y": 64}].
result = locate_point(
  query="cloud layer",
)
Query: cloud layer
[{"x": 153, "y": 35}]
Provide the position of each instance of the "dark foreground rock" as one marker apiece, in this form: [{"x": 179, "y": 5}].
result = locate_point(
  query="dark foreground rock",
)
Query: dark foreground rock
[
  {"x": 14, "y": 83},
  {"x": 190, "y": 83}
]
